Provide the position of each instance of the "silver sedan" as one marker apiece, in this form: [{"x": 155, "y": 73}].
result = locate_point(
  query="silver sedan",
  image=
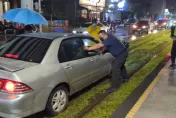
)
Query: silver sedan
[{"x": 40, "y": 71}]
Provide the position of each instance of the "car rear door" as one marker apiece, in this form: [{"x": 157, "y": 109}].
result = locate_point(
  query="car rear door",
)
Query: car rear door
[
  {"x": 101, "y": 63},
  {"x": 75, "y": 63}
]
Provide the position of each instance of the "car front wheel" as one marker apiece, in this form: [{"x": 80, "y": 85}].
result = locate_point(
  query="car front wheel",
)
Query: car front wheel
[{"x": 57, "y": 101}]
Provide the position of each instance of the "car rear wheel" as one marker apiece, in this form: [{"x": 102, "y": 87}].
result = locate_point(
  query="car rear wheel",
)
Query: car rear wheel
[{"x": 57, "y": 101}]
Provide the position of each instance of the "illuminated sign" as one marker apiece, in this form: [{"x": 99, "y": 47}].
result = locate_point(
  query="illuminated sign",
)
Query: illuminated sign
[
  {"x": 121, "y": 4},
  {"x": 100, "y": 3}
]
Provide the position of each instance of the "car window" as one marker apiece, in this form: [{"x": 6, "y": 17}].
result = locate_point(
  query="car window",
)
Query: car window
[
  {"x": 88, "y": 42},
  {"x": 25, "y": 48},
  {"x": 143, "y": 22},
  {"x": 91, "y": 42},
  {"x": 71, "y": 49},
  {"x": 86, "y": 25},
  {"x": 132, "y": 20}
]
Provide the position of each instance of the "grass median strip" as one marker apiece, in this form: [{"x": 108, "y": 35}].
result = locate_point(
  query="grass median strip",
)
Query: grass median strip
[
  {"x": 137, "y": 58},
  {"x": 148, "y": 38},
  {"x": 113, "y": 101}
]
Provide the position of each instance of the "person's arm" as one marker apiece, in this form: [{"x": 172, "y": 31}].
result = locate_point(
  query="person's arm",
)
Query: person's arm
[{"x": 97, "y": 46}]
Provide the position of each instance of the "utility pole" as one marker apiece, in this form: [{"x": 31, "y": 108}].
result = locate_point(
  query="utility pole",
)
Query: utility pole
[{"x": 40, "y": 11}]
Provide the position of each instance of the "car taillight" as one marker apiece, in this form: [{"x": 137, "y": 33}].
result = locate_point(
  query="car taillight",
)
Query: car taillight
[{"x": 13, "y": 87}]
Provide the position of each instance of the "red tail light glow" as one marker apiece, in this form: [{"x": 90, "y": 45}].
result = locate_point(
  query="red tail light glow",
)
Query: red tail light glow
[
  {"x": 11, "y": 56},
  {"x": 13, "y": 87}
]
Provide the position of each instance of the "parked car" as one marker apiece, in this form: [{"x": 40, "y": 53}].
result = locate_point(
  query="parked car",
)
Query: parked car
[
  {"x": 39, "y": 71},
  {"x": 83, "y": 28}
]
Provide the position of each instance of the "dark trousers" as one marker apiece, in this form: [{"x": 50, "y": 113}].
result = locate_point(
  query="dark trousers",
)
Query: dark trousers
[
  {"x": 118, "y": 70},
  {"x": 173, "y": 52}
]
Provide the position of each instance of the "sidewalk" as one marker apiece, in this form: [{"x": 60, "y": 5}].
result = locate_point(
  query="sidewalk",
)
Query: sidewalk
[{"x": 159, "y": 100}]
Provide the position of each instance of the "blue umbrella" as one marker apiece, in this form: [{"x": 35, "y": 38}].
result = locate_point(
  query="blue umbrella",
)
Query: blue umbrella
[{"x": 25, "y": 16}]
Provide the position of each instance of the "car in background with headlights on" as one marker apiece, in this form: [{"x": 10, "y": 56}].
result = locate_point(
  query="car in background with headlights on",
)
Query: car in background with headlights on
[
  {"x": 142, "y": 26},
  {"x": 160, "y": 24},
  {"x": 83, "y": 28}
]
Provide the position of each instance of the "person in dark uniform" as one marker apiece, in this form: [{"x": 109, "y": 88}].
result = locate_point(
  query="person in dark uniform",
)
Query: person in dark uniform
[
  {"x": 120, "y": 52},
  {"x": 173, "y": 51}
]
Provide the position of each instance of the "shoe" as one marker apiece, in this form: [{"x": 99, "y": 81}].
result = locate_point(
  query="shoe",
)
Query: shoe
[
  {"x": 111, "y": 90},
  {"x": 172, "y": 65}
]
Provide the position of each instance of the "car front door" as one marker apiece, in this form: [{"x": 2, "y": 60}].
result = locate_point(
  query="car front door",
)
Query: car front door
[
  {"x": 75, "y": 62},
  {"x": 101, "y": 63}
]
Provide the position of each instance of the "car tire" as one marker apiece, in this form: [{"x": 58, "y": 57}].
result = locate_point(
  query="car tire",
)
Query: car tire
[{"x": 57, "y": 100}]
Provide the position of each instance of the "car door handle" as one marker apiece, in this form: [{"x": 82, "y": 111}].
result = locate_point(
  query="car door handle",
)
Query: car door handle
[{"x": 68, "y": 67}]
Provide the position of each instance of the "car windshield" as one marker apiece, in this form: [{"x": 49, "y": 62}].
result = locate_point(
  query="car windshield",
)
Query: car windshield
[
  {"x": 29, "y": 49},
  {"x": 130, "y": 20},
  {"x": 86, "y": 25},
  {"x": 143, "y": 22}
]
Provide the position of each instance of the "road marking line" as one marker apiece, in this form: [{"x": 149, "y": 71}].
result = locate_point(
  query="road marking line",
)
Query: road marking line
[{"x": 141, "y": 100}]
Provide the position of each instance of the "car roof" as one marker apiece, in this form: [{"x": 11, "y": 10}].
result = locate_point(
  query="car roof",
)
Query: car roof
[{"x": 53, "y": 35}]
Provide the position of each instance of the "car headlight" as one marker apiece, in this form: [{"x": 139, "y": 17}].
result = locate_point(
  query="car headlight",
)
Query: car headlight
[
  {"x": 144, "y": 27},
  {"x": 155, "y": 31},
  {"x": 164, "y": 23},
  {"x": 85, "y": 32},
  {"x": 74, "y": 32},
  {"x": 156, "y": 23},
  {"x": 133, "y": 37}
]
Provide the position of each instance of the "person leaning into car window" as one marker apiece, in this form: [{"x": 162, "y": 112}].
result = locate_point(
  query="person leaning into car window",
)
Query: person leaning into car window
[{"x": 120, "y": 52}]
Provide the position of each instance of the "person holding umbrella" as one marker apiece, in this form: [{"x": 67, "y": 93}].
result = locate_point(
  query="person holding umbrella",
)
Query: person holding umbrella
[{"x": 24, "y": 16}]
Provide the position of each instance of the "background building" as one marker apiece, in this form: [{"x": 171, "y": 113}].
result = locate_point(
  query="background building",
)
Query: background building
[{"x": 5, "y": 5}]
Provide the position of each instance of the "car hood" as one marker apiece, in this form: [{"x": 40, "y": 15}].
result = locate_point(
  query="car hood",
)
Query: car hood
[{"x": 12, "y": 65}]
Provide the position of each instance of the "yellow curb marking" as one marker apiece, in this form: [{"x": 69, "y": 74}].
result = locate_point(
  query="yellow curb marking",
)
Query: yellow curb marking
[{"x": 141, "y": 100}]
